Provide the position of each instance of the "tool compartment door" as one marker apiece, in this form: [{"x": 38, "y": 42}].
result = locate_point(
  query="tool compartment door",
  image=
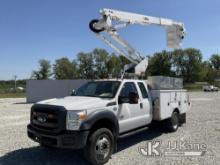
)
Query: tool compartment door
[
  {"x": 165, "y": 101},
  {"x": 165, "y": 104},
  {"x": 185, "y": 103}
]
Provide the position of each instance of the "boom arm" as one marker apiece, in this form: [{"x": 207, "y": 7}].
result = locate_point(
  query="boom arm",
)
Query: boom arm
[{"x": 113, "y": 20}]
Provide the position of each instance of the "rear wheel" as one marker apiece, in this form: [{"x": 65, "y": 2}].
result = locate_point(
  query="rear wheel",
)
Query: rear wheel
[
  {"x": 99, "y": 147},
  {"x": 173, "y": 122}
]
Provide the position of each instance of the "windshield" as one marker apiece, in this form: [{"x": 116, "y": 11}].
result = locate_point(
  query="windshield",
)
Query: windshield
[{"x": 104, "y": 89}]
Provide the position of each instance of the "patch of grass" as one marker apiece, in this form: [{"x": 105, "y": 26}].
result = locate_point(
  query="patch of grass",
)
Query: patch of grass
[
  {"x": 193, "y": 87},
  {"x": 193, "y": 90},
  {"x": 12, "y": 95}
]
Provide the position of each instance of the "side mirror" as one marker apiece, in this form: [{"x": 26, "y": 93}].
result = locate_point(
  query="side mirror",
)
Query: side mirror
[
  {"x": 73, "y": 93},
  {"x": 133, "y": 98}
]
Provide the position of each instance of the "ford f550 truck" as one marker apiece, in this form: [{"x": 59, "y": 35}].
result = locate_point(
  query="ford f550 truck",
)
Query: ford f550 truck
[{"x": 102, "y": 111}]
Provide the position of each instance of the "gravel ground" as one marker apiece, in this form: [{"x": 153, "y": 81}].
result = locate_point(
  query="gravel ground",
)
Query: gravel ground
[{"x": 202, "y": 128}]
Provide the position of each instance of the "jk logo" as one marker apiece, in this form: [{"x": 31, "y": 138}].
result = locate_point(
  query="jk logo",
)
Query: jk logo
[{"x": 151, "y": 149}]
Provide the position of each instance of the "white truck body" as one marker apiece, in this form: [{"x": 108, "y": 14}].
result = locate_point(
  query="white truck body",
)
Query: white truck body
[{"x": 165, "y": 101}]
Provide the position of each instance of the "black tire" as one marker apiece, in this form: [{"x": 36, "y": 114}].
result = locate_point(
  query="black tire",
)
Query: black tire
[
  {"x": 101, "y": 140},
  {"x": 92, "y": 27},
  {"x": 45, "y": 146},
  {"x": 173, "y": 122}
]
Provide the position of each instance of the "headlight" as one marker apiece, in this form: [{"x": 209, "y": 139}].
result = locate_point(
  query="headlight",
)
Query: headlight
[{"x": 74, "y": 119}]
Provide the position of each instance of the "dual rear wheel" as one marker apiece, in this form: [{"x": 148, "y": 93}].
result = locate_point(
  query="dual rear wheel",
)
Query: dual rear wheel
[{"x": 173, "y": 122}]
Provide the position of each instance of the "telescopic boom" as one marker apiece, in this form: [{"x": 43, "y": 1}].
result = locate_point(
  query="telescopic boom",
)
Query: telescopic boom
[{"x": 113, "y": 20}]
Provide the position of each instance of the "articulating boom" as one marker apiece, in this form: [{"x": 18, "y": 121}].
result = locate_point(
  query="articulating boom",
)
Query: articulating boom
[{"x": 112, "y": 20}]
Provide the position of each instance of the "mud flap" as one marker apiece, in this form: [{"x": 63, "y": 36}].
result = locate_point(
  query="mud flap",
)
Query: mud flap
[{"x": 182, "y": 118}]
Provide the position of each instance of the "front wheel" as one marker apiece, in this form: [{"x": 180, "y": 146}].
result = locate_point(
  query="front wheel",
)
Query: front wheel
[{"x": 99, "y": 147}]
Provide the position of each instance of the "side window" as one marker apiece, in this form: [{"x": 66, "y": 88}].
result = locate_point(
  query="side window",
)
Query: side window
[
  {"x": 127, "y": 88},
  {"x": 143, "y": 90}
]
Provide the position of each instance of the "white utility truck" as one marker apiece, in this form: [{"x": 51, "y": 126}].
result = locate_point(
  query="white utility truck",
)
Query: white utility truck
[
  {"x": 210, "y": 88},
  {"x": 101, "y": 111}
]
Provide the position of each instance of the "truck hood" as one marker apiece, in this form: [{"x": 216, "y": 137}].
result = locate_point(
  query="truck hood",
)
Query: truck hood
[{"x": 77, "y": 102}]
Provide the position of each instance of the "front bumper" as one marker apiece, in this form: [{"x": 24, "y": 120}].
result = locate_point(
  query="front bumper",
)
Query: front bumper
[{"x": 66, "y": 139}]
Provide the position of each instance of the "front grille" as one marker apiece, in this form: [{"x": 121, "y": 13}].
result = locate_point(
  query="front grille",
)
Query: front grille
[{"x": 48, "y": 118}]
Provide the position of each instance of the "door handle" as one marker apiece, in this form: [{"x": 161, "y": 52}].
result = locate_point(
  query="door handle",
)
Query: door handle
[{"x": 141, "y": 105}]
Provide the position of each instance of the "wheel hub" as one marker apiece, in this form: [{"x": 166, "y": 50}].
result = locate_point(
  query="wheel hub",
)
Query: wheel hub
[{"x": 102, "y": 148}]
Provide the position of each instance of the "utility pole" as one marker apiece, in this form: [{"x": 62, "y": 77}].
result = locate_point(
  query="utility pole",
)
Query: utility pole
[{"x": 15, "y": 84}]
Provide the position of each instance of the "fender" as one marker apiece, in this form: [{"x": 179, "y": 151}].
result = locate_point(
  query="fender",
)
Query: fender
[{"x": 100, "y": 115}]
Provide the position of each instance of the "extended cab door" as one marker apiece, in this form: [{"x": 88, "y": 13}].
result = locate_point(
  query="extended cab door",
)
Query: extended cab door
[
  {"x": 145, "y": 102},
  {"x": 131, "y": 115}
]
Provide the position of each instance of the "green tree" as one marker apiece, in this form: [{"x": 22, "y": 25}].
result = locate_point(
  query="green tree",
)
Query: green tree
[
  {"x": 101, "y": 58},
  {"x": 160, "y": 64},
  {"x": 65, "y": 69},
  {"x": 114, "y": 66},
  {"x": 206, "y": 69},
  {"x": 44, "y": 71},
  {"x": 215, "y": 61},
  {"x": 86, "y": 65},
  {"x": 210, "y": 72},
  {"x": 187, "y": 64}
]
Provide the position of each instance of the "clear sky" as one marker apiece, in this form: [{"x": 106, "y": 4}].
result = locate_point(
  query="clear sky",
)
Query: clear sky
[{"x": 51, "y": 29}]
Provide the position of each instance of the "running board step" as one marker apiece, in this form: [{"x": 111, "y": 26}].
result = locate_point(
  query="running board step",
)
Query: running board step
[{"x": 132, "y": 132}]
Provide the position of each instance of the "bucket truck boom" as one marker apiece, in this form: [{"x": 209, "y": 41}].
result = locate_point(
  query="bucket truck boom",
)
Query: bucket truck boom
[{"x": 112, "y": 20}]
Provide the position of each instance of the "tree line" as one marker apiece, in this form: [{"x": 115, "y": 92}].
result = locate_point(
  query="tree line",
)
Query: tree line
[
  {"x": 7, "y": 86},
  {"x": 186, "y": 63}
]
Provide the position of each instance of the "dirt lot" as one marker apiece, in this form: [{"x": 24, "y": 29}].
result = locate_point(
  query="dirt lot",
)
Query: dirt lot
[{"x": 202, "y": 127}]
